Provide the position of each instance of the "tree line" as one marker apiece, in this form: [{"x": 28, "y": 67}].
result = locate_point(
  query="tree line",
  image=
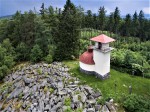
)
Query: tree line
[
  {"x": 51, "y": 35},
  {"x": 54, "y": 34},
  {"x": 135, "y": 25}
]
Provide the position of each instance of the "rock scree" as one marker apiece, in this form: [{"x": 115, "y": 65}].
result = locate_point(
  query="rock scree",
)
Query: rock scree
[{"x": 49, "y": 88}]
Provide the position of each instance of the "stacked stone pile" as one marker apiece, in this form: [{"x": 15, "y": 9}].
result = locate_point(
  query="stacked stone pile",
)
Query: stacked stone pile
[{"x": 49, "y": 88}]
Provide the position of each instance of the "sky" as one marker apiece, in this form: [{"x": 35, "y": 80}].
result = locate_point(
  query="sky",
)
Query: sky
[{"x": 9, "y": 7}]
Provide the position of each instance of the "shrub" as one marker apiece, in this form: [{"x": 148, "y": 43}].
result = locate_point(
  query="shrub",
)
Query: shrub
[
  {"x": 68, "y": 110},
  {"x": 127, "y": 61},
  {"x": 49, "y": 58},
  {"x": 138, "y": 69},
  {"x": 51, "y": 90},
  {"x": 36, "y": 53},
  {"x": 147, "y": 75},
  {"x": 79, "y": 110},
  {"x": 45, "y": 89},
  {"x": 6, "y": 61},
  {"x": 101, "y": 101},
  {"x": 39, "y": 71},
  {"x": 135, "y": 103},
  {"x": 79, "y": 97},
  {"x": 22, "y": 52},
  {"x": 67, "y": 101}
]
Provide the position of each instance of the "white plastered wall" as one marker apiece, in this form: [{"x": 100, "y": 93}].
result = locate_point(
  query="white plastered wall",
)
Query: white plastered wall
[
  {"x": 87, "y": 67},
  {"x": 96, "y": 44},
  {"x": 105, "y": 45},
  {"x": 102, "y": 62}
]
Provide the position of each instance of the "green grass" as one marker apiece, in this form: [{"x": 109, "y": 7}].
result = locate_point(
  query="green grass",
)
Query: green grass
[{"x": 140, "y": 86}]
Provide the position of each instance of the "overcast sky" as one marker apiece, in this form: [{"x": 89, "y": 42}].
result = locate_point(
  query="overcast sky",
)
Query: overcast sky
[{"x": 9, "y": 7}]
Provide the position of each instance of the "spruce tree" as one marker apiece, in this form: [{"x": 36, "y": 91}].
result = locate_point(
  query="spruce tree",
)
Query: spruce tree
[
  {"x": 36, "y": 53},
  {"x": 111, "y": 22},
  {"x": 135, "y": 24},
  {"x": 102, "y": 18},
  {"x": 22, "y": 52},
  {"x": 116, "y": 20},
  {"x": 141, "y": 25},
  {"x": 89, "y": 19},
  {"x": 127, "y": 25},
  {"x": 67, "y": 40},
  {"x": 42, "y": 11},
  {"x": 95, "y": 22}
]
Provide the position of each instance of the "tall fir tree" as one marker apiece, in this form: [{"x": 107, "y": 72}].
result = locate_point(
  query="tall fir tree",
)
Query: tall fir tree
[
  {"x": 128, "y": 25},
  {"x": 95, "y": 21},
  {"x": 42, "y": 11},
  {"x": 116, "y": 20},
  {"x": 141, "y": 25},
  {"x": 111, "y": 23},
  {"x": 67, "y": 40},
  {"x": 80, "y": 13},
  {"x": 89, "y": 19},
  {"x": 135, "y": 24},
  {"x": 27, "y": 29},
  {"x": 102, "y": 18}
]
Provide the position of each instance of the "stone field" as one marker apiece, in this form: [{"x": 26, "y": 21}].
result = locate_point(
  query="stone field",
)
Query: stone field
[{"x": 49, "y": 88}]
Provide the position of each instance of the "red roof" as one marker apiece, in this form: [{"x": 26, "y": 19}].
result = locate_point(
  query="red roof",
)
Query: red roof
[
  {"x": 102, "y": 38},
  {"x": 87, "y": 58}
]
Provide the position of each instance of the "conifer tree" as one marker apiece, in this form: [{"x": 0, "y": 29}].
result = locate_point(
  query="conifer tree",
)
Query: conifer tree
[
  {"x": 42, "y": 11},
  {"x": 36, "y": 53},
  {"x": 141, "y": 25},
  {"x": 67, "y": 40},
  {"x": 116, "y": 20},
  {"x": 89, "y": 19},
  {"x": 102, "y": 18},
  {"x": 127, "y": 25},
  {"x": 111, "y": 22},
  {"x": 135, "y": 24},
  {"x": 95, "y": 21}
]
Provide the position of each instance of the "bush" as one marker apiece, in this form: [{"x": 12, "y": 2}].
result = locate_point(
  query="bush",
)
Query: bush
[
  {"x": 79, "y": 110},
  {"x": 22, "y": 52},
  {"x": 39, "y": 71},
  {"x": 6, "y": 60},
  {"x": 49, "y": 58},
  {"x": 67, "y": 101},
  {"x": 117, "y": 57},
  {"x": 68, "y": 110},
  {"x": 45, "y": 89},
  {"x": 36, "y": 53},
  {"x": 51, "y": 90},
  {"x": 135, "y": 103},
  {"x": 138, "y": 69},
  {"x": 101, "y": 101},
  {"x": 147, "y": 75},
  {"x": 129, "y": 61}
]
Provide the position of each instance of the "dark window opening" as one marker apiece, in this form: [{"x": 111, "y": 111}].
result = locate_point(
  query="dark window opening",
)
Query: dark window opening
[{"x": 99, "y": 45}]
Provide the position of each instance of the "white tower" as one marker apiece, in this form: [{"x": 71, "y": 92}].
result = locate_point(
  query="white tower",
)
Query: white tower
[
  {"x": 101, "y": 55},
  {"x": 96, "y": 60}
]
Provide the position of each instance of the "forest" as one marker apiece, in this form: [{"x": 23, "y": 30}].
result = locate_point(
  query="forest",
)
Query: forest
[{"x": 56, "y": 35}]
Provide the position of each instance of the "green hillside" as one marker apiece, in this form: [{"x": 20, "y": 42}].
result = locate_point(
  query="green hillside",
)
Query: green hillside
[{"x": 140, "y": 86}]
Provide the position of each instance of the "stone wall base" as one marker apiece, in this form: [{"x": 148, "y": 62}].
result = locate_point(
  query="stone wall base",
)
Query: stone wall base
[{"x": 96, "y": 74}]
